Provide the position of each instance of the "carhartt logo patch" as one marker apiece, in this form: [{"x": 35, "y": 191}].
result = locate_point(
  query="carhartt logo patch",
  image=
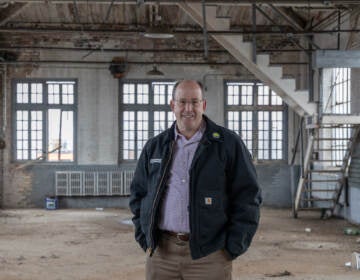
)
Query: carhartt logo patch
[
  {"x": 155, "y": 160},
  {"x": 216, "y": 135},
  {"x": 208, "y": 200}
]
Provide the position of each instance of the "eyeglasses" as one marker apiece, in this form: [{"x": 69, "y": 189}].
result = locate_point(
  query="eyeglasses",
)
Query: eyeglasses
[{"x": 194, "y": 102}]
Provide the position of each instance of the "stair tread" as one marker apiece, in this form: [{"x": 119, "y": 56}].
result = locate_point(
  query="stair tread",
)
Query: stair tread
[
  {"x": 318, "y": 190},
  {"x": 333, "y": 138},
  {"x": 314, "y": 208},
  {"x": 319, "y": 181},
  {"x": 325, "y": 170},
  {"x": 327, "y": 160},
  {"x": 320, "y": 150},
  {"x": 331, "y": 126},
  {"x": 317, "y": 199}
]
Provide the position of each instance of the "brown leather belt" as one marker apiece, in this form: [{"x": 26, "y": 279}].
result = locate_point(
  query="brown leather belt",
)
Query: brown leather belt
[{"x": 179, "y": 235}]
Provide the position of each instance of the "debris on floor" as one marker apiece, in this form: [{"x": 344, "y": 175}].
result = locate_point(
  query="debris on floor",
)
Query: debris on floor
[
  {"x": 355, "y": 260},
  {"x": 351, "y": 231},
  {"x": 280, "y": 274}
]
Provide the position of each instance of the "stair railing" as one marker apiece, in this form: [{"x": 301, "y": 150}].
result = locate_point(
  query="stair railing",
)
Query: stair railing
[
  {"x": 346, "y": 162},
  {"x": 309, "y": 150}
]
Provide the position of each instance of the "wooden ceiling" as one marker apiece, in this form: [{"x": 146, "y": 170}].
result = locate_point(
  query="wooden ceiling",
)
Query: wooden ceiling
[{"x": 27, "y": 27}]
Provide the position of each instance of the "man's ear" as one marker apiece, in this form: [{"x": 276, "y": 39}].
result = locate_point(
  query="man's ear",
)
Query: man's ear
[
  {"x": 204, "y": 104},
  {"x": 172, "y": 105}
]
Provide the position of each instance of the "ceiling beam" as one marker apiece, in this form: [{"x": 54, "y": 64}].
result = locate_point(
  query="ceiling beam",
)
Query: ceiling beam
[
  {"x": 11, "y": 11},
  {"x": 193, "y": 31},
  {"x": 290, "y": 3},
  {"x": 332, "y": 59},
  {"x": 190, "y": 62},
  {"x": 101, "y": 50},
  {"x": 293, "y": 19}
]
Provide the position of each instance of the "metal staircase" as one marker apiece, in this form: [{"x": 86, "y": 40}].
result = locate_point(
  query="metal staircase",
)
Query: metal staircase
[
  {"x": 326, "y": 166},
  {"x": 323, "y": 177},
  {"x": 243, "y": 52}
]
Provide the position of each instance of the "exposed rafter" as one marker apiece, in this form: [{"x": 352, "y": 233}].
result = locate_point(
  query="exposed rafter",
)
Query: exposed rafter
[
  {"x": 290, "y": 16},
  {"x": 11, "y": 11},
  {"x": 226, "y": 2}
]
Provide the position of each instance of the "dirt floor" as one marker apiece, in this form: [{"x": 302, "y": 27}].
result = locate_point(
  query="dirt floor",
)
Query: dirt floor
[{"x": 92, "y": 244}]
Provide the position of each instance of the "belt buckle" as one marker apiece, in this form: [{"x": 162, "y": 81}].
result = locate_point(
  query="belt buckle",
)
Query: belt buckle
[{"x": 179, "y": 236}]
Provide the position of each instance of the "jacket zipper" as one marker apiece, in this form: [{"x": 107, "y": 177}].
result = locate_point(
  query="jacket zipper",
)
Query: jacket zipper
[{"x": 155, "y": 202}]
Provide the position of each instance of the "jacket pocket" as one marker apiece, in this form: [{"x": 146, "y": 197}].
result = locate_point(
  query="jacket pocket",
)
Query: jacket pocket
[
  {"x": 212, "y": 217},
  {"x": 214, "y": 245},
  {"x": 211, "y": 200}
]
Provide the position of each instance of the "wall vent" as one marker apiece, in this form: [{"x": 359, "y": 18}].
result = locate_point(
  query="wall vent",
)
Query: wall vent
[{"x": 93, "y": 183}]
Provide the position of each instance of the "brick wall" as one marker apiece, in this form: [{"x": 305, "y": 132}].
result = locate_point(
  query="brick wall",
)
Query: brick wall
[{"x": 19, "y": 188}]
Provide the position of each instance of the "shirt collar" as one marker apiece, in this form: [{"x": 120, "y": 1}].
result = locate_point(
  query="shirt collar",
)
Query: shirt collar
[{"x": 197, "y": 136}]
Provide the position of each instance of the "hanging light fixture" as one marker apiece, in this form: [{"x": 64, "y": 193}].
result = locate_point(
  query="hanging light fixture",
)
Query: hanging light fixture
[
  {"x": 155, "y": 72},
  {"x": 156, "y": 30}
]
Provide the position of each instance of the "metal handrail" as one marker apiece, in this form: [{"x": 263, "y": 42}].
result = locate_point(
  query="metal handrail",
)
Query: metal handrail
[{"x": 308, "y": 153}]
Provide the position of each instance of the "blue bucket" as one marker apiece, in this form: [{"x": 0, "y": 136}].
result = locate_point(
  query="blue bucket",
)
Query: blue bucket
[{"x": 51, "y": 203}]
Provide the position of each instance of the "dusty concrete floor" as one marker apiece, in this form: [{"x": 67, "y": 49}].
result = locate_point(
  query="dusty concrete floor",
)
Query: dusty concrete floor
[{"x": 90, "y": 244}]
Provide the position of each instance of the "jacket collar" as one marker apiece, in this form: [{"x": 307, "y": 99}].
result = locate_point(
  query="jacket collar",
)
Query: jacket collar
[{"x": 213, "y": 132}]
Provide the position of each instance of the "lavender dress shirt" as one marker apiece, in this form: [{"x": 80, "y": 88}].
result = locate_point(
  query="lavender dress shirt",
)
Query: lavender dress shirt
[{"x": 174, "y": 211}]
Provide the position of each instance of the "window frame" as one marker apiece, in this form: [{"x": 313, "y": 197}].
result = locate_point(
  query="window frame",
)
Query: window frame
[
  {"x": 150, "y": 107},
  {"x": 255, "y": 109},
  {"x": 341, "y": 92},
  {"x": 44, "y": 107}
]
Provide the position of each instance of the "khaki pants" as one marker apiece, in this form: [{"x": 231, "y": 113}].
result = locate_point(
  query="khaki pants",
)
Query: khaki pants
[{"x": 172, "y": 260}]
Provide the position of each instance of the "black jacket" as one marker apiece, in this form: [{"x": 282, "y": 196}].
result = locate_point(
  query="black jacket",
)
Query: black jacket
[{"x": 221, "y": 170}]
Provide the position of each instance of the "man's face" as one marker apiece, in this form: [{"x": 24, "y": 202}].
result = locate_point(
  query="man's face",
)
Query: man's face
[{"x": 188, "y": 107}]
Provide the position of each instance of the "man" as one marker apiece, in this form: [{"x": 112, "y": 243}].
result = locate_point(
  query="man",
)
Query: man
[{"x": 194, "y": 196}]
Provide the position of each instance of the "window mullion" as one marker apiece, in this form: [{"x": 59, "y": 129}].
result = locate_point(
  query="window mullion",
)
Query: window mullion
[
  {"x": 151, "y": 111},
  {"x": 29, "y": 134},
  {"x": 45, "y": 138},
  {"x": 270, "y": 133},
  {"x": 45, "y": 122},
  {"x": 255, "y": 123}
]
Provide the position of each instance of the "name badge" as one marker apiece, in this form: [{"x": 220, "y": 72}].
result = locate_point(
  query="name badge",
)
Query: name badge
[{"x": 155, "y": 160}]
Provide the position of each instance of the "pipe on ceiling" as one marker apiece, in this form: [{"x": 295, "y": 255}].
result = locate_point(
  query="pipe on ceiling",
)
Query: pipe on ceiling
[
  {"x": 217, "y": 32},
  {"x": 50, "y": 62},
  {"x": 226, "y": 2}
]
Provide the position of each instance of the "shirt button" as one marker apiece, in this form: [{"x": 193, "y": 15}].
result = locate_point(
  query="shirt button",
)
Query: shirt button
[{"x": 183, "y": 181}]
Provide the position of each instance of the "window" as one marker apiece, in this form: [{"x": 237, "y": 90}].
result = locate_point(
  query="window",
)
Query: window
[
  {"x": 256, "y": 113},
  {"x": 145, "y": 112},
  {"x": 340, "y": 85},
  {"x": 44, "y": 120},
  {"x": 340, "y": 104}
]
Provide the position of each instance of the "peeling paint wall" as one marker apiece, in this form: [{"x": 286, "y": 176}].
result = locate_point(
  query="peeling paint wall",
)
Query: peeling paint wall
[
  {"x": 97, "y": 132},
  {"x": 17, "y": 179}
]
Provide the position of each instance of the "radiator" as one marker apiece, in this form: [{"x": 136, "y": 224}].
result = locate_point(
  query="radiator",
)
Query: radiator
[{"x": 93, "y": 183}]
